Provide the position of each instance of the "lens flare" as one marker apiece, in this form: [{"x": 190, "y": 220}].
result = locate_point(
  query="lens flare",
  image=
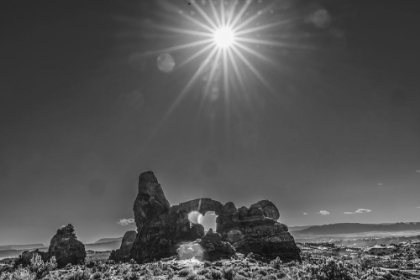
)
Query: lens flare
[{"x": 195, "y": 217}]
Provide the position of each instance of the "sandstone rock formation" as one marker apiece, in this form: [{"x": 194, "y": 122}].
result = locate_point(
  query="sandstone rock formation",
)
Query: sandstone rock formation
[
  {"x": 66, "y": 248},
  {"x": 123, "y": 253},
  {"x": 256, "y": 230},
  {"x": 209, "y": 247},
  {"x": 162, "y": 229}
]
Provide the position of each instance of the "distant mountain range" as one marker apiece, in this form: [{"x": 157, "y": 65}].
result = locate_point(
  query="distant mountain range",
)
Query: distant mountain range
[
  {"x": 298, "y": 228},
  {"x": 21, "y": 247},
  {"x": 349, "y": 228},
  {"x": 106, "y": 240}
]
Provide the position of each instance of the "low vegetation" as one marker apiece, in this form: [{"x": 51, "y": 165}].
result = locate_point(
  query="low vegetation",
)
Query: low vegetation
[{"x": 402, "y": 261}]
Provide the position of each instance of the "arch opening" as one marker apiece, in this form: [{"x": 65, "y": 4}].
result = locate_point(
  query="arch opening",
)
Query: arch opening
[{"x": 208, "y": 221}]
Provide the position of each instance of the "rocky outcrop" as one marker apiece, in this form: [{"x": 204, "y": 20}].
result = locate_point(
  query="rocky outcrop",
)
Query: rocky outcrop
[
  {"x": 123, "y": 253},
  {"x": 163, "y": 229},
  {"x": 210, "y": 247},
  {"x": 66, "y": 248},
  {"x": 256, "y": 230}
]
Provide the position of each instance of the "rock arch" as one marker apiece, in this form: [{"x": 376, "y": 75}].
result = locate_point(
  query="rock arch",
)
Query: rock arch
[{"x": 163, "y": 228}]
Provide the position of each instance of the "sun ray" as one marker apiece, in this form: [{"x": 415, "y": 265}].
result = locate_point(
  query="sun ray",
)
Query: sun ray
[
  {"x": 188, "y": 17},
  {"x": 181, "y": 47},
  {"x": 216, "y": 16},
  {"x": 212, "y": 72},
  {"x": 271, "y": 43},
  {"x": 249, "y": 20},
  {"x": 182, "y": 94},
  {"x": 222, "y": 12},
  {"x": 197, "y": 54},
  {"x": 226, "y": 94},
  {"x": 225, "y": 73},
  {"x": 253, "y": 70},
  {"x": 251, "y": 51},
  {"x": 231, "y": 12},
  {"x": 209, "y": 81},
  {"x": 260, "y": 28},
  {"x": 204, "y": 14},
  {"x": 199, "y": 23},
  {"x": 195, "y": 76},
  {"x": 242, "y": 11},
  {"x": 184, "y": 31},
  {"x": 236, "y": 69}
]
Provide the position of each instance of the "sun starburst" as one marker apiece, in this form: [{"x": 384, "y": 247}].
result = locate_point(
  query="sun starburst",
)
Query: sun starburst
[{"x": 226, "y": 35}]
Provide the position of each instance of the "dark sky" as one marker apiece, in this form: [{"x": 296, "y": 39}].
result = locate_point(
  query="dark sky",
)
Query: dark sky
[{"x": 82, "y": 114}]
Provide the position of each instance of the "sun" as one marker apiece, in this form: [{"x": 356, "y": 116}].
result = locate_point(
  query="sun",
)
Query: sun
[
  {"x": 224, "y": 37},
  {"x": 228, "y": 36}
]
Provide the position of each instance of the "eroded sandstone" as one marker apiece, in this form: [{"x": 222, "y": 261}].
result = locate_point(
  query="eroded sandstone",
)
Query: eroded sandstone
[{"x": 162, "y": 228}]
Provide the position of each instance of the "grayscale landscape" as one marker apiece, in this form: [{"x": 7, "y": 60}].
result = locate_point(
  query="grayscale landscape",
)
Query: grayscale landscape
[{"x": 209, "y": 139}]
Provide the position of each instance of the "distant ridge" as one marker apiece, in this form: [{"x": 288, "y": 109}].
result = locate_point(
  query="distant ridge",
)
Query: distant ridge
[
  {"x": 347, "y": 228},
  {"x": 21, "y": 247},
  {"x": 111, "y": 239},
  {"x": 298, "y": 228}
]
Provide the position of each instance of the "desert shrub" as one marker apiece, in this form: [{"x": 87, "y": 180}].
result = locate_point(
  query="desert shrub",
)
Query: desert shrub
[
  {"x": 263, "y": 272},
  {"x": 243, "y": 272},
  {"x": 203, "y": 271},
  {"x": 281, "y": 275},
  {"x": 78, "y": 275},
  {"x": 185, "y": 272},
  {"x": 269, "y": 277},
  {"x": 131, "y": 276},
  {"x": 216, "y": 274},
  {"x": 228, "y": 273},
  {"x": 96, "y": 275},
  {"x": 218, "y": 263},
  {"x": 90, "y": 264},
  {"x": 39, "y": 268},
  {"x": 239, "y": 277},
  {"x": 193, "y": 276},
  {"x": 276, "y": 263},
  {"x": 366, "y": 263},
  {"x": 332, "y": 270}
]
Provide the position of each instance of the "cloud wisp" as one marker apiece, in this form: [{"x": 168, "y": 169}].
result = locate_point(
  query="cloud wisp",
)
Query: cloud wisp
[
  {"x": 358, "y": 211},
  {"x": 324, "y": 212},
  {"x": 126, "y": 222},
  {"x": 362, "y": 210}
]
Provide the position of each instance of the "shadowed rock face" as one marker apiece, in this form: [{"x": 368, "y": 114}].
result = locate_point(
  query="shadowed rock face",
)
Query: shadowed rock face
[
  {"x": 123, "y": 253},
  {"x": 150, "y": 201},
  {"x": 256, "y": 230},
  {"x": 163, "y": 229},
  {"x": 66, "y": 248}
]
